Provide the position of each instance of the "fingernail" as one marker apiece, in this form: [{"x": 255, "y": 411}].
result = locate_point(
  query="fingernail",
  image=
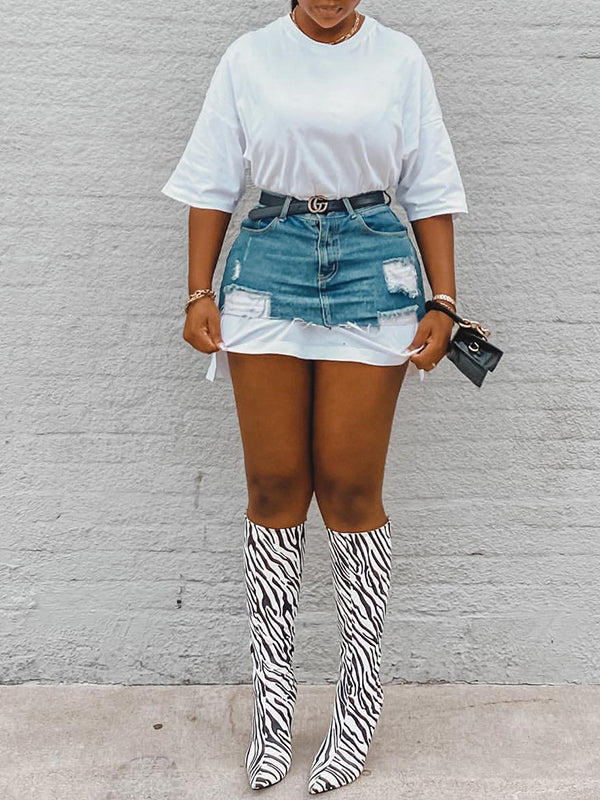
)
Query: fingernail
[{"x": 221, "y": 346}]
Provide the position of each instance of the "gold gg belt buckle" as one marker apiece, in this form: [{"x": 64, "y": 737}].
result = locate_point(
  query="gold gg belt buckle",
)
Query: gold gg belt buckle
[{"x": 317, "y": 203}]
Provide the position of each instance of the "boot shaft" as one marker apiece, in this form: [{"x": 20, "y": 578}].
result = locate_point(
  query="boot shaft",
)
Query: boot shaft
[
  {"x": 273, "y": 565},
  {"x": 361, "y": 569}
]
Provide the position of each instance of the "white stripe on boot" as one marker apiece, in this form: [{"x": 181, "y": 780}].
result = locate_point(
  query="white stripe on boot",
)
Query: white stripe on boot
[
  {"x": 273, "y": 561},
  {"x": 361, "y": 567}
]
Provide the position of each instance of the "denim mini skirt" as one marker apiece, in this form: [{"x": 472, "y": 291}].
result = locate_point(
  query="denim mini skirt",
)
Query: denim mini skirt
[
  {"x": 355, "y": 266},
  {"x": 343, "y": 286}
]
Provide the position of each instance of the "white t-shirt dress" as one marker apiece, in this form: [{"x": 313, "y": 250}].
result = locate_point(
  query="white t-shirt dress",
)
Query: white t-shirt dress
[{"x": 311, "y": 118}]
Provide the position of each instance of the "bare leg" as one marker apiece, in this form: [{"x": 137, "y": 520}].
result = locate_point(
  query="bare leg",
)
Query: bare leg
[
  {"x": 274, "y": 397},
  {"x": 353, "y": 414},
  {"x": 354, "y": 409}
]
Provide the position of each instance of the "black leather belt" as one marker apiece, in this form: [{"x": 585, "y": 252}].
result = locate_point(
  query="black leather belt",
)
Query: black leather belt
[{"x": 317, "y": 204}]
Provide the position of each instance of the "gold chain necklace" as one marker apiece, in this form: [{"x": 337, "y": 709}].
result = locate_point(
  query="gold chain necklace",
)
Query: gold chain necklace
[{"x": 341, "y": 38}]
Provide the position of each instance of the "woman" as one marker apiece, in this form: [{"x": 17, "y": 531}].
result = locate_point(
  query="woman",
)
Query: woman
[{"x": 319, "y": 315}]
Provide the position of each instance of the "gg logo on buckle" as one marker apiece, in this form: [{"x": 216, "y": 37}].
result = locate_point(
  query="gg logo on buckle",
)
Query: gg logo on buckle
[{"x": 317, "y": 203}]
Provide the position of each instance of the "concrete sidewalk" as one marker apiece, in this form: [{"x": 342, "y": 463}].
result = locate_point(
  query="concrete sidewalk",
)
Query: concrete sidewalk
[{"x": 440, "y": 742}]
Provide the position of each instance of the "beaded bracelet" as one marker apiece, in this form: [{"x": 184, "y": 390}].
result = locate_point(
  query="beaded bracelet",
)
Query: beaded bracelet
[{"x": 445, "y": 297}]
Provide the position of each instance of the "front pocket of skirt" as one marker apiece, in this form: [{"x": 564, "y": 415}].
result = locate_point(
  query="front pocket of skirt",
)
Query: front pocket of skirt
[
  {"x": 258, "y": 226},
  {"x": 382, "y": 222}
]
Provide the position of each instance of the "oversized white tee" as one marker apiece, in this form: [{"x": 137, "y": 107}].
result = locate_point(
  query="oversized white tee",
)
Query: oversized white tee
[{"x": 306, "y": 118}]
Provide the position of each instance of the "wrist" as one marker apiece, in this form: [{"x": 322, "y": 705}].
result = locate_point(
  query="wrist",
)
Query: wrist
[
  {"x": 198, "y": 294},
  {"x": 442, "y": 309},
  {"x": 445, "y": 299},
  {"x": 449, "y": 306},
  {"x": 442, "y": 316}
]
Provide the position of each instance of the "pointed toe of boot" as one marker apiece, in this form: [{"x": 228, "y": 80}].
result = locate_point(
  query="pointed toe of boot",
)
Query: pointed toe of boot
[
  {"x": 326, "y": 780},
  {"x": 265, "y": 778},
  {"x": 272, "y": 768}
]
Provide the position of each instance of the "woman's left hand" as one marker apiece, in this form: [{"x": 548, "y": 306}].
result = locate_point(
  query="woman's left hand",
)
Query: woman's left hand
[{"x": 434, "y": 331}]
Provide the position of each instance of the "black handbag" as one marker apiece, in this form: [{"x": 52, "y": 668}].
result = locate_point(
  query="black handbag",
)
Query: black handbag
[{"x": 469, "y": 348}]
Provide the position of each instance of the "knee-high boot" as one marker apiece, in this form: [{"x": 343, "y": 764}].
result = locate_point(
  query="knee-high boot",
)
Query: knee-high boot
[
  {"x": 273, "y": 560},
  {"x": 361, "y": 567}
]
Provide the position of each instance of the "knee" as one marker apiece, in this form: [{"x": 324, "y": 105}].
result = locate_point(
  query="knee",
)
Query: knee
[
  {"x": 348, "y": 504},
  {"x": 276, "y": 498}
]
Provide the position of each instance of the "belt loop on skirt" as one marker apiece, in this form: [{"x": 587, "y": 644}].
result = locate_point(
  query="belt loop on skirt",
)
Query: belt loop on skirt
[
  {"x": 284, "y": 208},
  {"x": 349, "y": 207}
]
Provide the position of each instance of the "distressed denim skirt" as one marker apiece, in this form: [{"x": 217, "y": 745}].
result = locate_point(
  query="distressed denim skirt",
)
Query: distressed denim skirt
[{"x": 354, "y": 266}]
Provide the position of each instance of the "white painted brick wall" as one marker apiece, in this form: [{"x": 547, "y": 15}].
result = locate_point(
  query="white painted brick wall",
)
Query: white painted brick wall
[{"x": 122, "y": 474}]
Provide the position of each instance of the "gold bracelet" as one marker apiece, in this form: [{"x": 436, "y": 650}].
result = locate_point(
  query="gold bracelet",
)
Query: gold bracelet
[{"x": 197, "y": 294}]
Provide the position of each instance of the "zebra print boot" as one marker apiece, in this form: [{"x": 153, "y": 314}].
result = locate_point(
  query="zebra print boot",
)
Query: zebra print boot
[
  {"x": 273, "y": 560},
  {"x": 361, "y": 566}
]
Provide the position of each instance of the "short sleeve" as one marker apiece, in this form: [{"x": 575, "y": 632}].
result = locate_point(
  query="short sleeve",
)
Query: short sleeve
[
  {"x": 430, "y": 181},
  {"x": 211, "y": 171}
]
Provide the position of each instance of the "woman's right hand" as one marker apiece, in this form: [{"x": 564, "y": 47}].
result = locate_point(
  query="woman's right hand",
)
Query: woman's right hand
[{"x": 202, "y": 327}]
